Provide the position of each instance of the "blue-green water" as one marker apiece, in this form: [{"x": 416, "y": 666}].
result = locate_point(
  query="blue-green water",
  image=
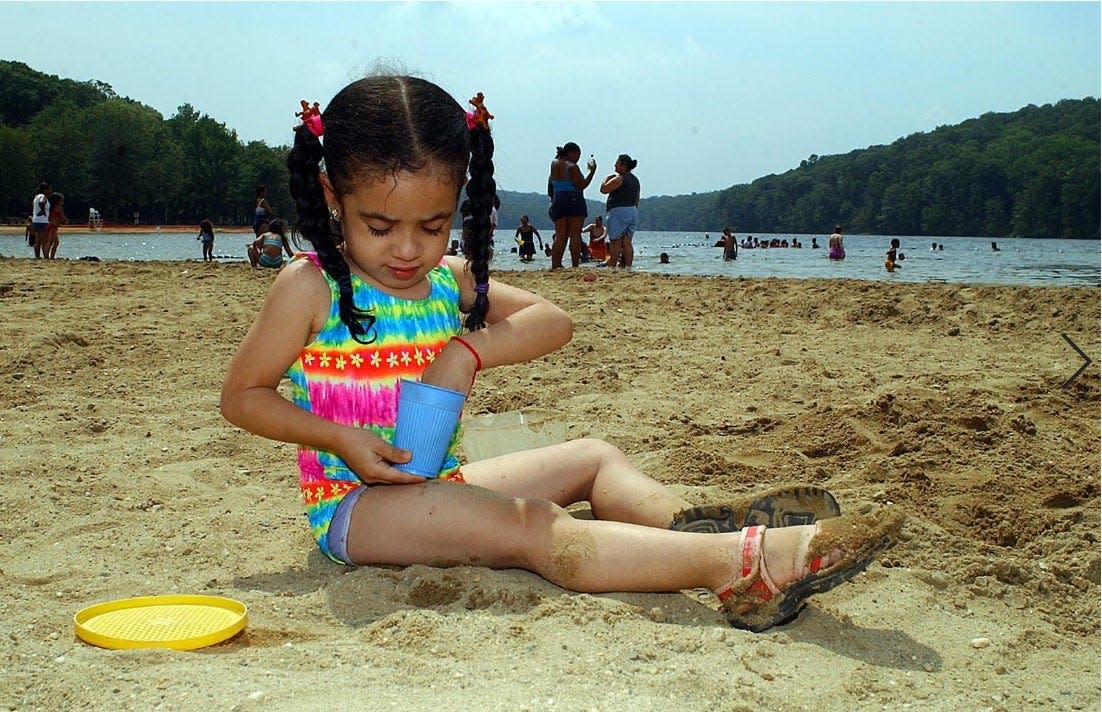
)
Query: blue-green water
[{"x": 964, "y": 259}]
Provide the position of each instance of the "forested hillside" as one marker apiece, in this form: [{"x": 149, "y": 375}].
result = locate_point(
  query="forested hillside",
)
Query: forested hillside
[
  {"x": 1030, "y": 173},
  {"x": 1034, "y": 172}
]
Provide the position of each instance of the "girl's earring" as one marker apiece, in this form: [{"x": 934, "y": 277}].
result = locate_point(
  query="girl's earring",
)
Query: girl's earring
[{"x": 335, "y": 214}]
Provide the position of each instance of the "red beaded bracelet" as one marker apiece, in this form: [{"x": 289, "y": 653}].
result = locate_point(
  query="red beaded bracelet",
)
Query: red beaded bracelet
[{"x": 477, "y": 358}]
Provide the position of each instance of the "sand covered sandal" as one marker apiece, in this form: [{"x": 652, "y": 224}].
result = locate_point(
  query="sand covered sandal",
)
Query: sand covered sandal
[
  {"x": 782, "y": 506},
  {"x": 756, "y": 603}
]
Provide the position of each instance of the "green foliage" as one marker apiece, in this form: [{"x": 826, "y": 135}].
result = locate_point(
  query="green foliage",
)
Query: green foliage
[
  {"x": 24, "y": 93},
  {"x": 1030, "y": 173},
  {"x": 16, "y": 177}
]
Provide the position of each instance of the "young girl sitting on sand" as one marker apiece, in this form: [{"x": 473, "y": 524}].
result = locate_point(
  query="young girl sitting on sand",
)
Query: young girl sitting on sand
[{"x": 378, "y": 300}]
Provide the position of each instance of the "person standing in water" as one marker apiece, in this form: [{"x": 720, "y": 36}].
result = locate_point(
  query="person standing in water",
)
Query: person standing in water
[
  {"x": 40, "y": 216},
  {"x": 837, "y": 250},
  {"x": 525, "y": 237},
  {"x": 730, "y": 245},
  {"x": 57, "y": 219},
  {"x": 891, "y": 261}
]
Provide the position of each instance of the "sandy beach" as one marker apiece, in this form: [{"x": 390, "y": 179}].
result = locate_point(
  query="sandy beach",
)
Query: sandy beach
[{"x": 120, "y": 478}]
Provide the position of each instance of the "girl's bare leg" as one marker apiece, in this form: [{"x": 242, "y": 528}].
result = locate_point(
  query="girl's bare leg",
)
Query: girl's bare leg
[
  {"x": 586, "y": 470},
  {"x": 444, "y": 523},
  {"x": 52, "y": 241}
]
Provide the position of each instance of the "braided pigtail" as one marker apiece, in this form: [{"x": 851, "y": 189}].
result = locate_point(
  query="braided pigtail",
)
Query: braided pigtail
[
  {"x": 481, "y": 192},
  {"x": 315, "y": 225}
]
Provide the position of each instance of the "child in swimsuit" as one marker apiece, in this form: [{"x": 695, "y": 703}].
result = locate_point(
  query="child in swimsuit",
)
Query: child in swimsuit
[
  {"x": 206, "y": 236},
  {"x": 381, "y": 301},
  {"x": 267, "y": 250},
  {"x": 57, "y": 219},
  {"x": 892, "y": 258}
]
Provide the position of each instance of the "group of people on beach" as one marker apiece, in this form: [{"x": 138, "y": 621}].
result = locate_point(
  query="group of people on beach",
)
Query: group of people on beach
[
  {"x": 378, "y": 299},
  {"x": 43, "y": 225},
  {"x": 596, "y": 249},
  {"x": 610, "y": 236}
]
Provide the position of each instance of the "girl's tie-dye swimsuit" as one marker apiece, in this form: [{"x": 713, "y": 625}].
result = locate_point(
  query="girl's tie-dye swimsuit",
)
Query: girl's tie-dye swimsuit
[{"x": 356, "y": 384}]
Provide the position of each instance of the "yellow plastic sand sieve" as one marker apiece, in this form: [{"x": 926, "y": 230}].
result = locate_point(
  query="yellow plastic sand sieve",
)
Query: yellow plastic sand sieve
[{"x": 177, "y": 622}]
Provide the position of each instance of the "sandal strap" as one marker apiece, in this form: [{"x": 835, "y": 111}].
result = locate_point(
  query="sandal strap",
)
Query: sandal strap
[
  {"x": 751, "y": 550},
  {"x": 771, "y": 588},
  {"x": 753, "y": 575}
]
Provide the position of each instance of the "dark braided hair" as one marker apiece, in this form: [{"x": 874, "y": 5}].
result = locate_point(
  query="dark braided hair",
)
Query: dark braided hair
[
  {"x": 380, "y": 126},
  {"x": 481, "y": 191}
]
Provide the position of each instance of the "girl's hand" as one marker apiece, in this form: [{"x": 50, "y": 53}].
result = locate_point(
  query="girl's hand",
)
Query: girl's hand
[{"x": 370, "y": 457}]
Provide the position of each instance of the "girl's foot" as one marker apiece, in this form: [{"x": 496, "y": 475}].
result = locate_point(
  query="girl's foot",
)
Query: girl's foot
[
  {"x": 777, "y": 576},
  {"x": 783, "y": 506}
]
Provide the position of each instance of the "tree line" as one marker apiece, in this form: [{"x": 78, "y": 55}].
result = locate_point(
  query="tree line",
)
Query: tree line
[
  {"x": 120, "y": 157},
  {"x": 1030, "y": 173}
]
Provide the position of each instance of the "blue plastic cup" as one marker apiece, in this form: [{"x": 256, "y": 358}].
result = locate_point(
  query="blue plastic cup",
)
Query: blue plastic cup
[{"x": 427, "y": 418}]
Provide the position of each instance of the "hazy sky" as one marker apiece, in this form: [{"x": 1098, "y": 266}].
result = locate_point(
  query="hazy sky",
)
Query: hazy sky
[{"x": 704, "y": 95}]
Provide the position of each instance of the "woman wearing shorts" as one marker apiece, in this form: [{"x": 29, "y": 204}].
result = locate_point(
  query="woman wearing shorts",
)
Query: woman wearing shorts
[
  {"x": 565, "y": 188},
  {"x": 622, "y": 210}
]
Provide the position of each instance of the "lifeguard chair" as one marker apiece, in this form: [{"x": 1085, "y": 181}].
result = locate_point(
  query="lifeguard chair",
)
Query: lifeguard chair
[{"x": 95, "y": 222}]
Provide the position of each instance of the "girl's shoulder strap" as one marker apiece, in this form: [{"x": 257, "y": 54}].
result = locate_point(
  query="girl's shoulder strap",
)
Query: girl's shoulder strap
[{"x": 312, "y": 258}]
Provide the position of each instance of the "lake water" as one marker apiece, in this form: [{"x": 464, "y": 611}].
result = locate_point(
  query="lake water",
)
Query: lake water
[{"x": 964, "y": 259}]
